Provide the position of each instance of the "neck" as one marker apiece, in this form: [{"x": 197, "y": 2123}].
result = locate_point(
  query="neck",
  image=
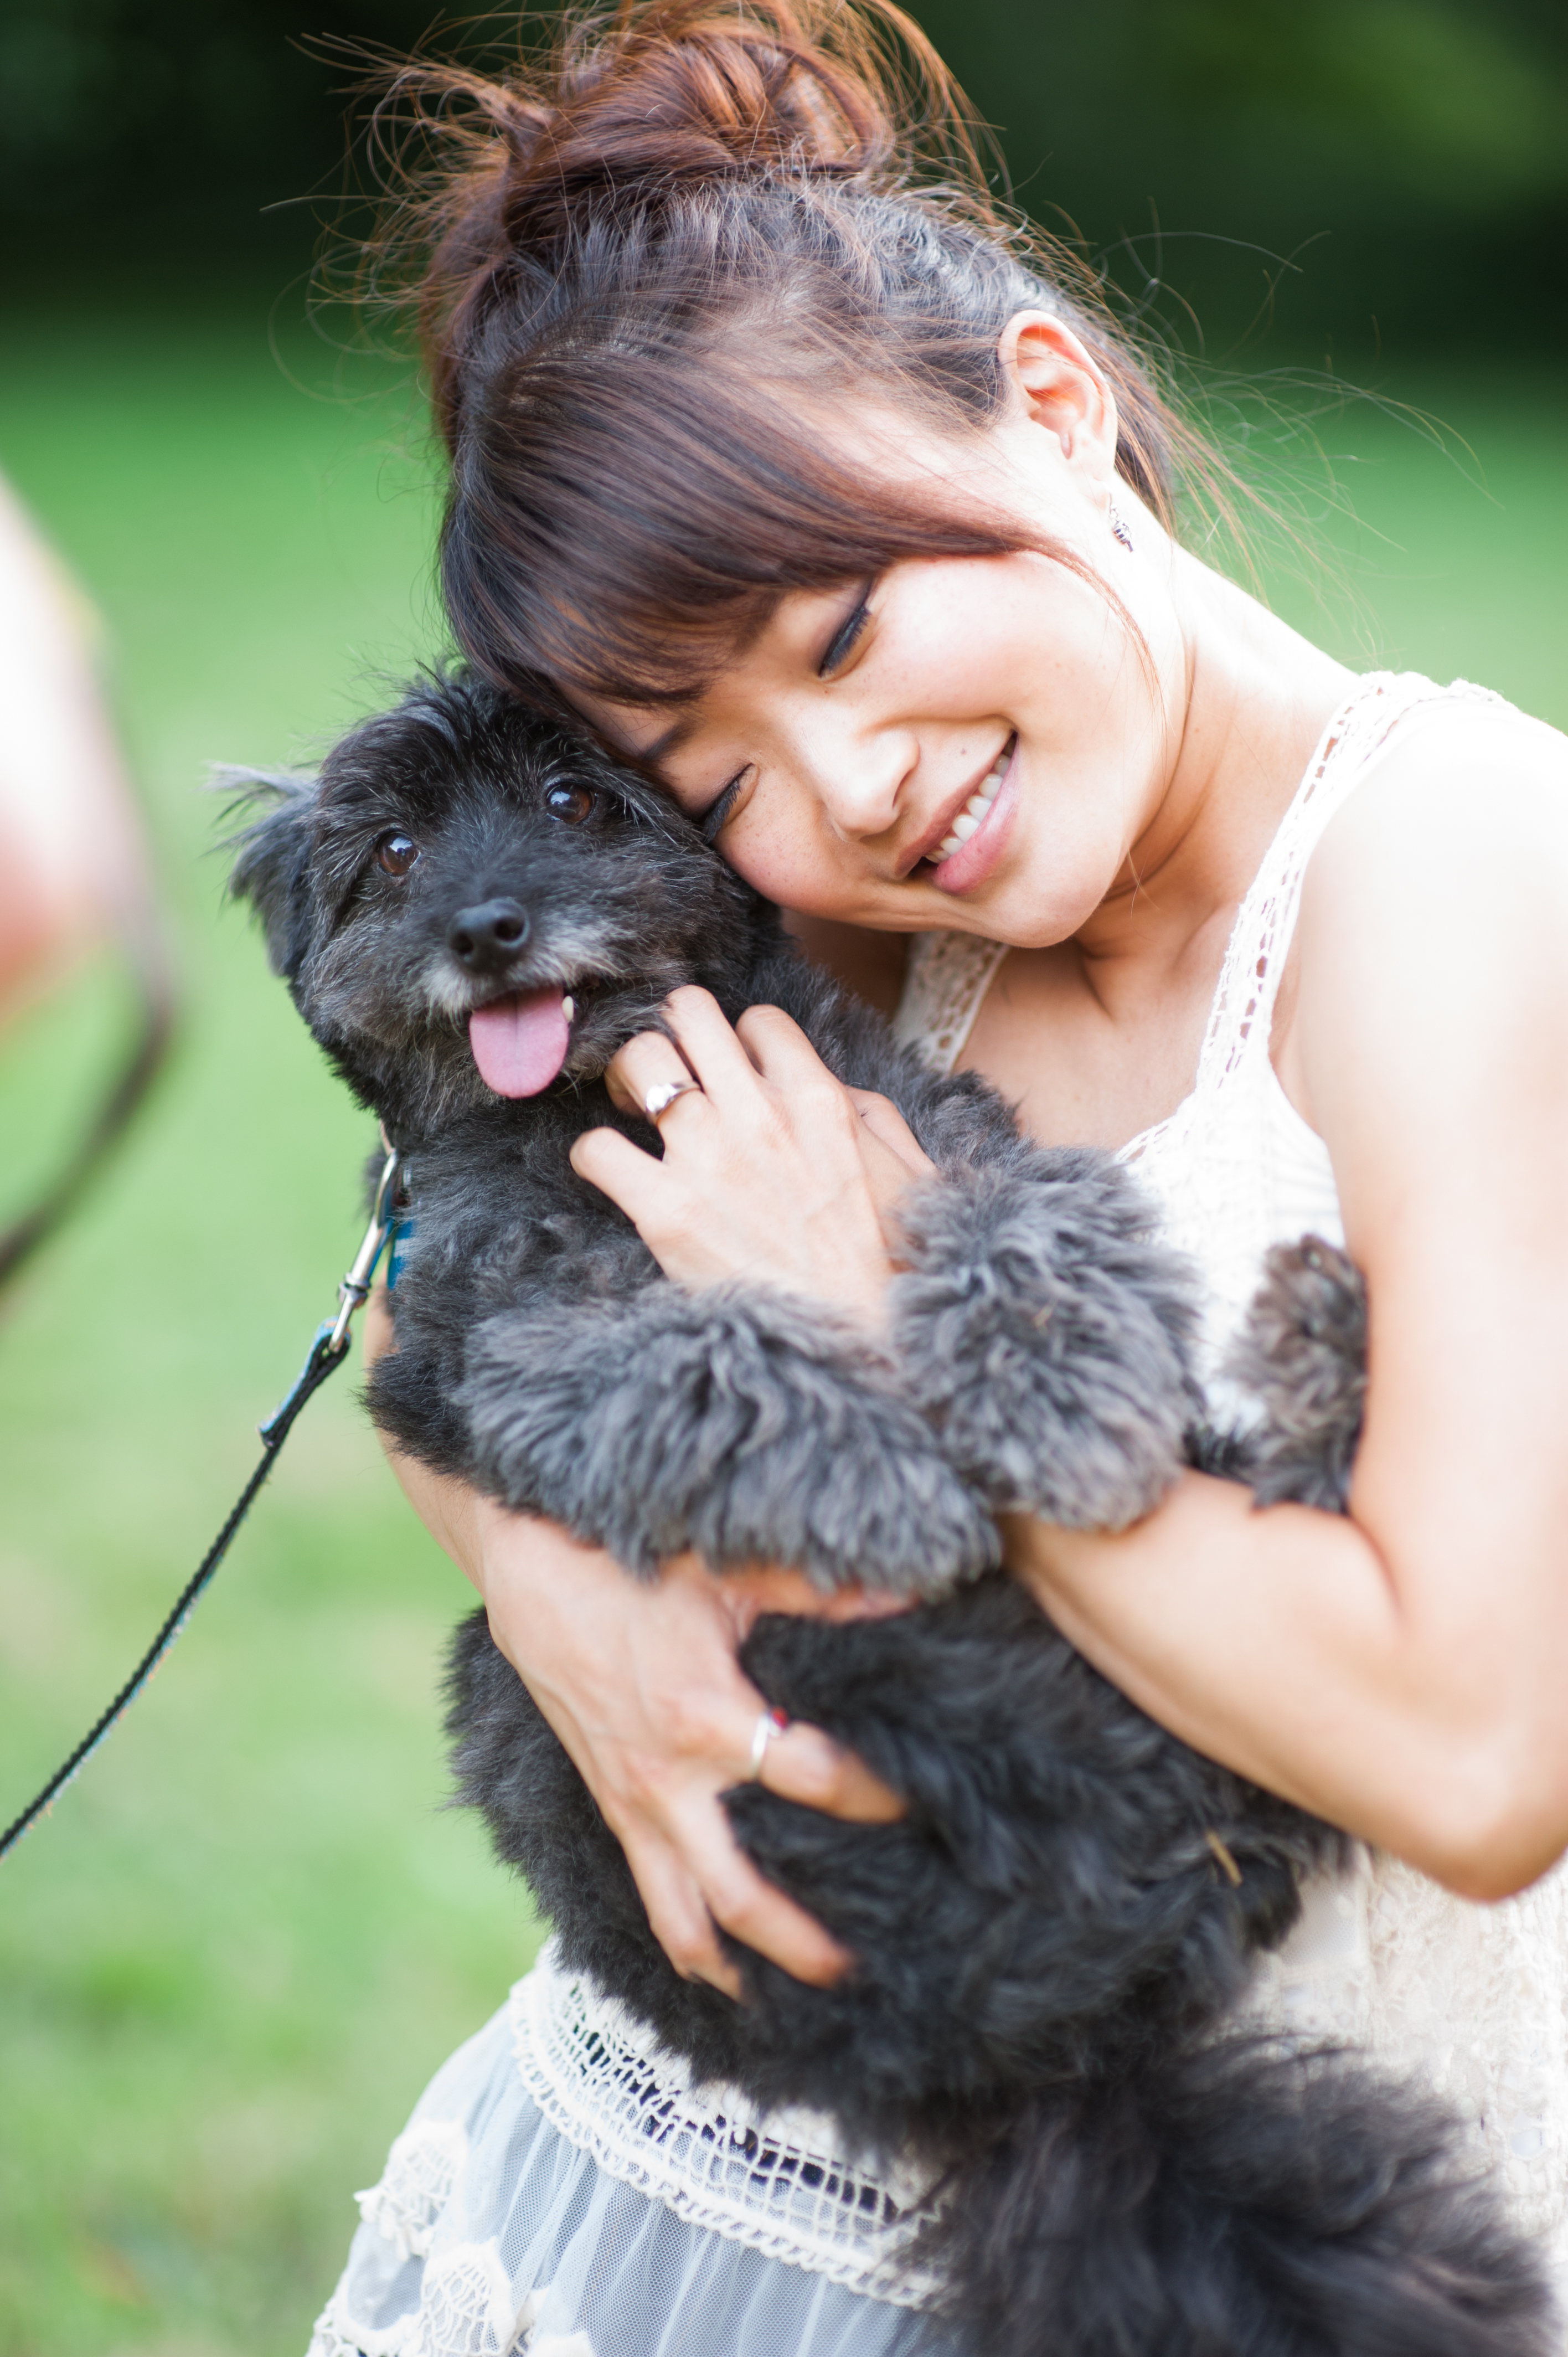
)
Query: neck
[{"x": 1250, "y": 701}]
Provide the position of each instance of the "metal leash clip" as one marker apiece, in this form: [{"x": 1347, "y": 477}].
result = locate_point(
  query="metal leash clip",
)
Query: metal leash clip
[
  {"x": 331, "y": 1342},
  {"x": 355, "y": 1289}
]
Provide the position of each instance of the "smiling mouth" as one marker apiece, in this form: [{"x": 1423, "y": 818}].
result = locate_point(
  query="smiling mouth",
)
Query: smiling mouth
[{"x": 976, "y": 811}]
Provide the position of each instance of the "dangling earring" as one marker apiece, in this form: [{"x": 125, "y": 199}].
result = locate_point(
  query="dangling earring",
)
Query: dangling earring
[{"x": 1117, "y": 528}]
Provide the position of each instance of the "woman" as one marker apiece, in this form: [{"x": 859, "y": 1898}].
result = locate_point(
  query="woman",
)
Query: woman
[{"x": 855, "y": 526}]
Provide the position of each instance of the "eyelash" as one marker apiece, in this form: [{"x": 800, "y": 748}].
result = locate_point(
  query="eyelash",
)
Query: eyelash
[
  {"x": 843, "y": 642},
  {"x": 844, "y": 639},
  {"x": 715, "y": 815}
]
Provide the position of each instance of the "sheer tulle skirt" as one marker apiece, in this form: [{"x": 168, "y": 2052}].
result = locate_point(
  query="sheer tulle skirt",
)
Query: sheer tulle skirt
[{"x": 498, "y": 2227}]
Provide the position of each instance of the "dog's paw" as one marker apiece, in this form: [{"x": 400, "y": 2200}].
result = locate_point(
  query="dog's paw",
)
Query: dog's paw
[
  {"x": 1301, "y": 1357},
  {"x": 743, "y": 1425},
  {"x": 1047, "y": 1339}
]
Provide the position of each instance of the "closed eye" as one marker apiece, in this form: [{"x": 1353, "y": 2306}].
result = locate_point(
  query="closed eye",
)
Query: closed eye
[
  {"x": 841, "y": 645},
  {"x": 715, "y": 815}
]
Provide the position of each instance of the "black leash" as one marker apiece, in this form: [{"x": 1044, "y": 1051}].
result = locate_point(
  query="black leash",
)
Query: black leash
[
  {"x": 327, "y": 1353},
  {"x": 109, "y": 1124}
]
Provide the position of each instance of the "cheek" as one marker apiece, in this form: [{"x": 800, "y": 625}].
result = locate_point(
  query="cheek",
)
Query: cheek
[
  {"x": 788, "y": 860},
  {"x": 969, "y": 635}
]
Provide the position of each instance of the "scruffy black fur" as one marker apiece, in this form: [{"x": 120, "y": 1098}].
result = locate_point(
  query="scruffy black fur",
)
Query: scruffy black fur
[{"x": 1051, "y": 1944}]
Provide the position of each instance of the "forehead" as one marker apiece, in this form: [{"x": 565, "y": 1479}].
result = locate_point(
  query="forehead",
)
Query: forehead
[{"x": 420, "y": 764}]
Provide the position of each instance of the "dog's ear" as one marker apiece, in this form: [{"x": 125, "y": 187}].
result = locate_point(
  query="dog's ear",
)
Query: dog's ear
[{"x": 271, "y": 869}]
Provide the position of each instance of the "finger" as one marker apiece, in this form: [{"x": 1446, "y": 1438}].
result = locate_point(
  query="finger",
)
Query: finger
[
  {"x": 377, "y": 1335},
  {"x": 752, "y": 1910},
  {"x": 883, "y": 1162},
  {"x": 678, "y": 1918},
  {"x": 780, "y": 1050},
  {"x": 889, "y": 1180},
  {"x": 700, "y": 1878},
  {"x": 887, "y": 1126},
  {"x": 636, "y": 1181},
  {"x": 800, "y": 1762},
  {"x": 643, "y": 1063},
  {"x": 805, "y": 1765},
  {"x": 712, "y": 1046},
  {"x": 865, "y": 1603}
]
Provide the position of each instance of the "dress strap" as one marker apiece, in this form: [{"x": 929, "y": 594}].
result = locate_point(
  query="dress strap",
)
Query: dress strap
[
  {"x": 947, "y": 976},
  {"x": 1241, "y": 1019}
]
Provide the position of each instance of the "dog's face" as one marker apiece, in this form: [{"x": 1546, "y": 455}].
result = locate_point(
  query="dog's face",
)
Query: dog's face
[{"x": 469, "y": 905}]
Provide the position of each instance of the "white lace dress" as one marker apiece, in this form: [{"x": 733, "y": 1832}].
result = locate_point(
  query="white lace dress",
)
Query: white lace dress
[{"x": 563, "y": 2189}]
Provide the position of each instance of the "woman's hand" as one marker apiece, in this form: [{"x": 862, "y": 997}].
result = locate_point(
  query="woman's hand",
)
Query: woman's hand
[
  {"x": 772, "y": 1169},
  {"x": 642, "y": 1687},
  {"x": 641, "y": 1684}
]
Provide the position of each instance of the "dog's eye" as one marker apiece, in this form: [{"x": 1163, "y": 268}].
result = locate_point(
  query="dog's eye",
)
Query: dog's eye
[
  {"x": 572, "y": 804},
  {"x": 396, "y": 853}
]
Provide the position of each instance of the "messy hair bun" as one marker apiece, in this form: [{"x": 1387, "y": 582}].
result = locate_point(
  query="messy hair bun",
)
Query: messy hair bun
[{"x": 645, "y": 273}]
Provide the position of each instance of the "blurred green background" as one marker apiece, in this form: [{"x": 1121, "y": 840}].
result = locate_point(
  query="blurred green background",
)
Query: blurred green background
[{"x": 232, "y": 1956}]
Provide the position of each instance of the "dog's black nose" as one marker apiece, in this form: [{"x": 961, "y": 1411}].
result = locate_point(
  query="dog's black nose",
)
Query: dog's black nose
[{"x": 488, "y": 936}]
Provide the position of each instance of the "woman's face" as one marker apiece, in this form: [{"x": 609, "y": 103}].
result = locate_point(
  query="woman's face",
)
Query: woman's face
[{"x": 974, "y": 744}]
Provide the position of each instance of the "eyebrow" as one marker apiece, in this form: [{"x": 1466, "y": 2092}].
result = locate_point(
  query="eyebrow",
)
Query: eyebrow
[{"x": 676, "y": 734}]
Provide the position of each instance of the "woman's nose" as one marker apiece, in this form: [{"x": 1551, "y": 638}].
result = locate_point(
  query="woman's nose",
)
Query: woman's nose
[{"x": 860, "y": 778}]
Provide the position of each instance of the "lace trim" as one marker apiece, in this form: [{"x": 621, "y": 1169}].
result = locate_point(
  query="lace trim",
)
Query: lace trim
[
  {"x": 327, "y": 2340},
  {"x": 416, "y": 2185},
  {"x": 772, "y": 2180},
  {"x": 1469, "y": 2000},
  {"x": 947, "y": 976},
  {"x": 1241, "y": 1018},
  {"x": 467, "y": 2308}
]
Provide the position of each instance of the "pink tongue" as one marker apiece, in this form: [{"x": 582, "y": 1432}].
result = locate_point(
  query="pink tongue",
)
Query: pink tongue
[{"x": 520, "y": 1044}]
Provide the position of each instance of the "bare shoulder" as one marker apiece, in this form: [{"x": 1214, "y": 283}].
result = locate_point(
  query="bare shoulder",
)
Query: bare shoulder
[
  {"x": 1433, "y": 935},
  {"x": 1457, "y": 796},
  {"x": 1454, "y": 852}
]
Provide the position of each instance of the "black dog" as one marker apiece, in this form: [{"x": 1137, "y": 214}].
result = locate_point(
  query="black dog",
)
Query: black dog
[{"x": 1049, "y": 1943}]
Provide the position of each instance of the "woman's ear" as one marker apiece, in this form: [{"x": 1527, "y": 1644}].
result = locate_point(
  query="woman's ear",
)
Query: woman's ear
[{"x": 1052, "y": 382}]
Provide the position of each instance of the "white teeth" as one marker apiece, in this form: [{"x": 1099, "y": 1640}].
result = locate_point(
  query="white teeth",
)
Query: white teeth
[
  {"x": 569, "y": 1007},
  {"x": 975, "y": 810}
]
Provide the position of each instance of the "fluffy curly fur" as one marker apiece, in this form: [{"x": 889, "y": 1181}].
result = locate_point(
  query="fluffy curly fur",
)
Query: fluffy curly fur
[{"x": 1051, "y": 1944}]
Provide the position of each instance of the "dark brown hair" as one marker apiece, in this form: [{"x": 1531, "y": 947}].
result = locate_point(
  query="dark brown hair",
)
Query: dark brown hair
[{"x": 649, "y": 270}]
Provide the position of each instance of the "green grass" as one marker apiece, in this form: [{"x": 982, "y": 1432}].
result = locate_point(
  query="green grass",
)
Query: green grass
[
  {"x": 230, "y": 1959},
  {"x": 248, "y": 1934}
]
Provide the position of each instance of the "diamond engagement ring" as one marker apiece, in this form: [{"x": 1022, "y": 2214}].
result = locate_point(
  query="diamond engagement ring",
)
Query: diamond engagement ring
[
  {"x": 659, "y": 1099},
  {"x": 771, "y": 1723}
]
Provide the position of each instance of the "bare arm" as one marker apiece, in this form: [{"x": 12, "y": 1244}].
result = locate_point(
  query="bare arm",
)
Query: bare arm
[{"x": 1402, "y": 1671}]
